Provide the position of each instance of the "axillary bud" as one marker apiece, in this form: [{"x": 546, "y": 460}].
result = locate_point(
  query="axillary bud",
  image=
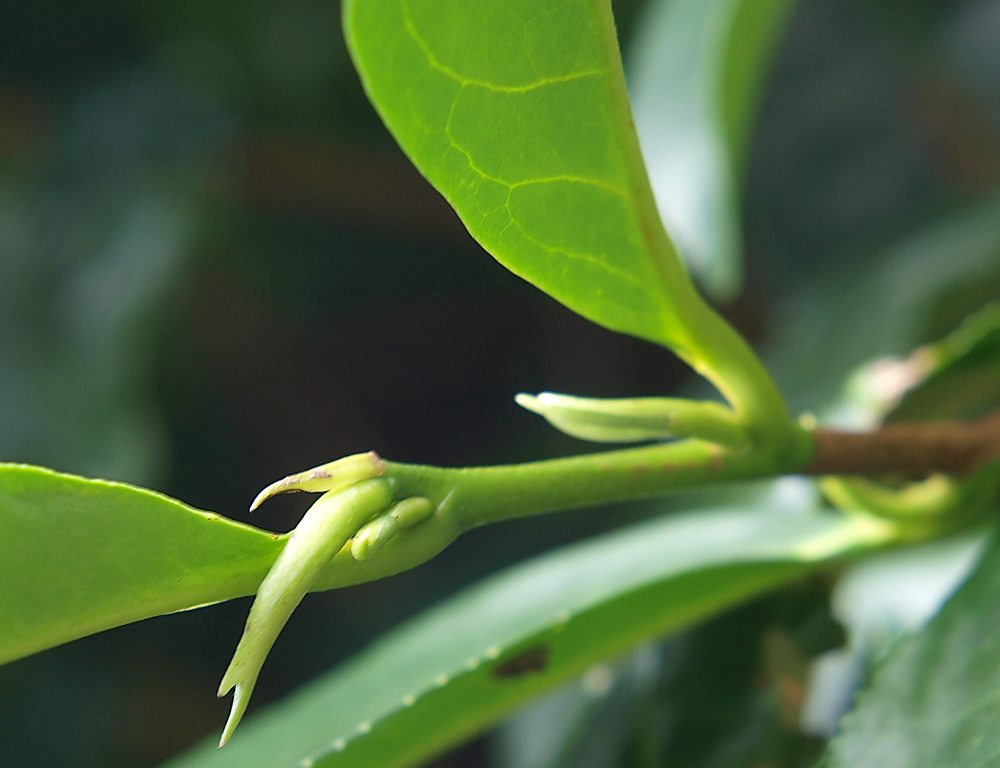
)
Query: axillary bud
[
  {"x": 334, "y": 476},
  {"x": 380, "y": 531}
]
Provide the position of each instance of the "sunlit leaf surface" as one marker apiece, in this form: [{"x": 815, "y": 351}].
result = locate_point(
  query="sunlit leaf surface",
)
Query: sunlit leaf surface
[
  {"x": 516, "y": 111},
  {"x": 80, "y": 556}
]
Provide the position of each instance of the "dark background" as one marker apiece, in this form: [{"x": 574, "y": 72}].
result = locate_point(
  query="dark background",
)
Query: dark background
[{"x": 216, "y": 268}]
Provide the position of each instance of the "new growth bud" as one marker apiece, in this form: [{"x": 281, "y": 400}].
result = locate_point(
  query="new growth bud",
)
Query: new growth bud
[
  {"x": 357, "y": 507},
  {"x": 383, "y": 528},
  {"x": 630, "y": 420}
]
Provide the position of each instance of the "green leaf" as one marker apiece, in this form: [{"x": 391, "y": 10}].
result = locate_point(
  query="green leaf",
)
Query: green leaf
[
  {"x": 516, "y": 111},
  {"x": 81, "y": 556},
  {"x": 957, "y": 377},
  {"x": 696, "y": 70},
  {"x": 934, "y": 703},
  {"x": 462, "y": 666}
]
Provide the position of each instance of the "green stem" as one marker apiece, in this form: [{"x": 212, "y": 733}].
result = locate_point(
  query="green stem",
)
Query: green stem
[
  {"x": 720, "y": 354},
  {"x": 703, "y": 339},
  {"x": 465, "y": 498},
  {"x": 477, "y": 496},
  {"x": 470, "y": 497}
]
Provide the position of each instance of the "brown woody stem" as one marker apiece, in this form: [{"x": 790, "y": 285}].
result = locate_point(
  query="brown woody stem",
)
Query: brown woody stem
[{"x": 915, "y": 449}]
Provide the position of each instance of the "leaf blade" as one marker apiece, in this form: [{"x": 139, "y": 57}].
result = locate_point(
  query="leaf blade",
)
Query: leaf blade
[
  {"x": 81, "y": 556},
  {"x": 517, "y": 113}
]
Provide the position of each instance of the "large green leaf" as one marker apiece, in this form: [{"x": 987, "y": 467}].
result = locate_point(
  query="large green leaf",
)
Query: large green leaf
[
  {"x": 80, "y": 556},
  {"x": 935, "y": 702},
  {"x": 695, "y": 72},
  {"x": 516, "y": 111},
  {"x": 462, "y": 666}
]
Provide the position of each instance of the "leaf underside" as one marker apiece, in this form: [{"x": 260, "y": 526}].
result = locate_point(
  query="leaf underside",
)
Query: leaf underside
[{"x": 460, "y": 84}]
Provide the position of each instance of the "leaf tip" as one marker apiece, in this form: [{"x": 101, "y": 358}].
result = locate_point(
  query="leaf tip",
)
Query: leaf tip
[
  {"x": 528, "y": 402},
  {"x": 241, "y": 697},
  {"x": 333, "y": 476},
  {"x": 271, "y": 490}
]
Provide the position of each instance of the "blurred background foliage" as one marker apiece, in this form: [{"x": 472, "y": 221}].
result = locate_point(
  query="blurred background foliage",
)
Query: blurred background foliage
[{"x": 216, "y": 267}]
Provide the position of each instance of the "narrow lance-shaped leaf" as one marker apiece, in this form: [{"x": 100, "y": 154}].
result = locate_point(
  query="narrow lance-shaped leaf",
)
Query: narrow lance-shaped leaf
[
  {"x": 467, "y": 663},
  {"x": 696, "y": 70},
  {"x": 516, "y": 111}
]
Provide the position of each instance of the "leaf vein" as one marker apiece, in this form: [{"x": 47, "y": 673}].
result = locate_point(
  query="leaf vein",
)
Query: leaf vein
[
  {"x": 568, "y": 178},
  {"x": 436, "y": 64},
  {"x": 622, "y": 275}
]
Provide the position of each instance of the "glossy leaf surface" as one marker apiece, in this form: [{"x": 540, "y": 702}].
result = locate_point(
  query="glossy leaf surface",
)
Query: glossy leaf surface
[
  {"x": 81, "y": 556},
  {"x": 695, "y": 72},
  {"x": 934, "y": 702},
  {"x": 516, "y": 111},
  {"x": 463, "y": 665}
]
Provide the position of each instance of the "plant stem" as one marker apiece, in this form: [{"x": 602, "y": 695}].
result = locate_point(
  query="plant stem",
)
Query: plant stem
[
  {"x": 466, "y": 498},
  {"x": 720, "y": 354},
  {"x": 951, "y": 447},
  {"x": 477, "y": 496},
  {"x": 702, "y": 337}
]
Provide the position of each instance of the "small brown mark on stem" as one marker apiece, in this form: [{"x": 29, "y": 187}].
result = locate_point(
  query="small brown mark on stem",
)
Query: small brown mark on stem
[
  {"x": 639, "y": 472},
  {"x": 716, "y": 461}
]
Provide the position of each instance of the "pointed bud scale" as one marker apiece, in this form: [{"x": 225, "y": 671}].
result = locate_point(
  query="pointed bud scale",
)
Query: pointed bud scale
[{"x": 327, "y": 477}]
